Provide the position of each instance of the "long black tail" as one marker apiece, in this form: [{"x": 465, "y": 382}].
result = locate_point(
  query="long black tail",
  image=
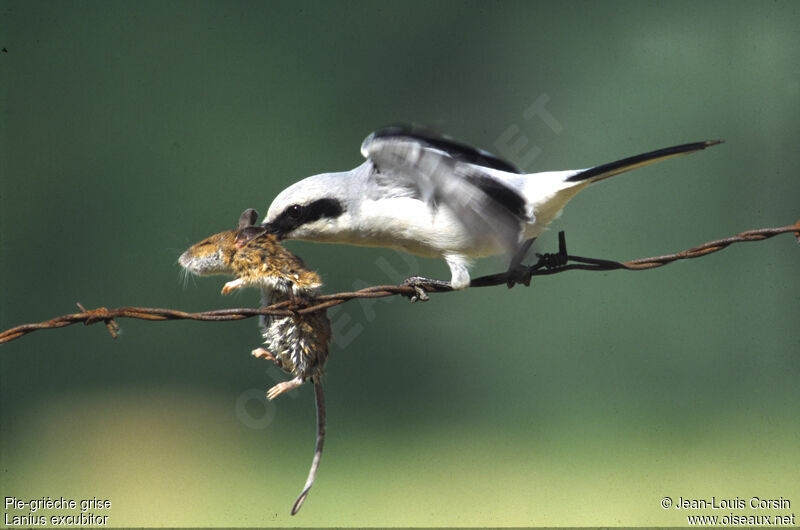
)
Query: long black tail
[
  {"x": 626, "y": 164},
  {"x": 312, "y": 473}
]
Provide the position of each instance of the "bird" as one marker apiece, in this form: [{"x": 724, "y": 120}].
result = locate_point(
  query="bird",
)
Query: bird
[{"x": 432, "y": 196}]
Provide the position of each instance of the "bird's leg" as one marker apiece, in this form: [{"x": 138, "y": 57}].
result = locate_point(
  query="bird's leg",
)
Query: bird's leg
[
  {"x": 280, "y": 388},
  {"x": 517, "y": 273},
  {"x": 459, "y": 279}
]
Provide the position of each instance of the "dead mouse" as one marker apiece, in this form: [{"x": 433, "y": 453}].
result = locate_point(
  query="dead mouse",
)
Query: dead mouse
[{"x": 298, "y": 344}]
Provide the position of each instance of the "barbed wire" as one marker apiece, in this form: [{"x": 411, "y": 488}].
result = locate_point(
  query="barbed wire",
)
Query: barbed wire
[{"x": 547, "y": 264}]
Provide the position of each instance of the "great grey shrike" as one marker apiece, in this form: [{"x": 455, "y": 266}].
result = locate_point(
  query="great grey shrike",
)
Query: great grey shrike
[{"x": 434, "y": 197}]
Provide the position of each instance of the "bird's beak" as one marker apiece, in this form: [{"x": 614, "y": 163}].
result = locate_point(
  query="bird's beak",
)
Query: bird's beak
[{"x": 270, "y": 228}]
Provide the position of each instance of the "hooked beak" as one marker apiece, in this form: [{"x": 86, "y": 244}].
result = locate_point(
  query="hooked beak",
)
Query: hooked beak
[{"x": 273, "y": 229}]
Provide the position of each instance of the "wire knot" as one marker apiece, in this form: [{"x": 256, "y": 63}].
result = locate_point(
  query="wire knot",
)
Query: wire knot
[{"x": 101, "y": 314}]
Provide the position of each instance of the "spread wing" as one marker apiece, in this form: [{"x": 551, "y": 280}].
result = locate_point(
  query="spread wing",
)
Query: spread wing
[{"x": 441, "y": 172}]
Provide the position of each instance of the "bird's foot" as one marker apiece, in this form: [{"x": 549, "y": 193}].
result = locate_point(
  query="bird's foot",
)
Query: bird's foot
[
  {"x": 520, "y": 274},
  {"x": 421, "y": 285},
  {"x": 280, "y": 388}
]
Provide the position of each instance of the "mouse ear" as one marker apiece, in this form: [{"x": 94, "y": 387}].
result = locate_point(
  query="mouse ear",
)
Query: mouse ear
[
  {"x": 248, "y": 218},
  {"x": 246, "y": 234}
]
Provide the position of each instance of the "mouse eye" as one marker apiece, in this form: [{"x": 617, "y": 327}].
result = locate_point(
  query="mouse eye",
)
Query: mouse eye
[{"x": 294, "y": 211}]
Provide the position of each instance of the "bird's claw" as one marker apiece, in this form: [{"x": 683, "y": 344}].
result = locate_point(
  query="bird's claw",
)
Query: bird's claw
[
  {"x": 419, "y": 294},
  {"x": 521, "y": 274},
  {"x": 419, "y": 284}
]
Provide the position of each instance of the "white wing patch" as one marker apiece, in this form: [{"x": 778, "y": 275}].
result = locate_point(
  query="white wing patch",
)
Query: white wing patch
[{"x": 406, "y": 166}]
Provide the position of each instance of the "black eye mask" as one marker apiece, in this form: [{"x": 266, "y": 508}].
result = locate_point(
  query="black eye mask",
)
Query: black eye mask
[{"x": 297, "y": 215}]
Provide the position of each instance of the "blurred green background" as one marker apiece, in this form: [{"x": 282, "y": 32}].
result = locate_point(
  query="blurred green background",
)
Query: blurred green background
[{"x": 133, "y": 129}]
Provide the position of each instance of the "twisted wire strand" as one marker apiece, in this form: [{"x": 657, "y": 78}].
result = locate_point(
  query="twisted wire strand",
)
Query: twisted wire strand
[{"x": 548, "y": 264}]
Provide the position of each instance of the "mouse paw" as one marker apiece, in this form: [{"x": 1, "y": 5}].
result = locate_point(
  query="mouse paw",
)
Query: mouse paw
[
  {"x": 280, "y": 388},
  {"x": 232, "y": 286},
  {"x": 262, "y": 353}
]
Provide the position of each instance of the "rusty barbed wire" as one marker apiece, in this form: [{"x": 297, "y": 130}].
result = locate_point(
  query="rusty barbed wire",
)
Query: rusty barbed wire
[{"x": 547, "y": 264}]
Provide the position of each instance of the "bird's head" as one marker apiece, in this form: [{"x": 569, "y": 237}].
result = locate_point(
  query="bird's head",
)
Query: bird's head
[{"x": 312, "y": 209}]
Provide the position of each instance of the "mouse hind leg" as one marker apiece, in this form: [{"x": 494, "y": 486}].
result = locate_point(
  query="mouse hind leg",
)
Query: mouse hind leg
[{"x": 280, "y": 388}]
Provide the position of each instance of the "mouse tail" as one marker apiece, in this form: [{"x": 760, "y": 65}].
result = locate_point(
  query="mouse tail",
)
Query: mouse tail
[{"x": 312, "y": 473}]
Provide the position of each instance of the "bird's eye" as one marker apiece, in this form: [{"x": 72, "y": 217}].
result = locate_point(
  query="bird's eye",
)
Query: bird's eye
[{"x": 294, "y": 211}]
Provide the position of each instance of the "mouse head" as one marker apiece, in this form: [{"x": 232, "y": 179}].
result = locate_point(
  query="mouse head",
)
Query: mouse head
[{"x": 215, "y": 254}]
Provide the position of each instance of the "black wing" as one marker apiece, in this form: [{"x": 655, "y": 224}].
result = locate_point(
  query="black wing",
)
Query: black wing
[{"x": 456, "y": 150}]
